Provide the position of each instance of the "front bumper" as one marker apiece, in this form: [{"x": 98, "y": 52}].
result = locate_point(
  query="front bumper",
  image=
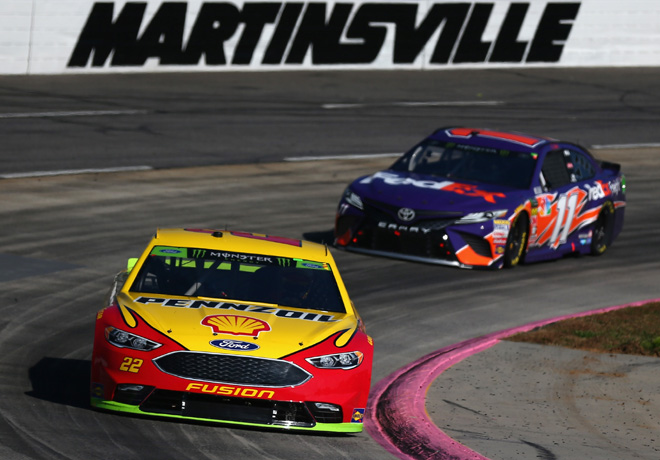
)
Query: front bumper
[
  {"x": 436, "y": 242},
  {"x": 236, "y": 411},
  {"x": 403, "y": 256}
]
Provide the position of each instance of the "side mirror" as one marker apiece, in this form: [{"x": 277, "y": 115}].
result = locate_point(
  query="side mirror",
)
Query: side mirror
[{"x": 131, "y": 263}]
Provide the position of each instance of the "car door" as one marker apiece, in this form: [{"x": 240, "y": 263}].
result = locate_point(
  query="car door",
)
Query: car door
[{"x": 563, "y": 205}]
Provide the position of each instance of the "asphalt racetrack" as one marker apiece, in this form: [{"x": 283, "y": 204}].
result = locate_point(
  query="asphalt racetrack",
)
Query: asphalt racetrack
[{"x": 224, "y": 150}]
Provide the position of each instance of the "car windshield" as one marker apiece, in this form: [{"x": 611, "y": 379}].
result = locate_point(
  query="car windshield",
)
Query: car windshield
[
  {"x": 468, "y": 162},
  {"x": 195, "y": 272}
]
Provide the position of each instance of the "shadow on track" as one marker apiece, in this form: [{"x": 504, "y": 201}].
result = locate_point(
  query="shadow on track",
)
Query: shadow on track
[{"x": 61, "y": 381}]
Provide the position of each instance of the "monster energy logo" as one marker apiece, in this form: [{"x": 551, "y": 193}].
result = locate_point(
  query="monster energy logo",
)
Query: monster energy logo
[
  {"x": 240, "y": 257},
  {"x": 198, "y": 253}
]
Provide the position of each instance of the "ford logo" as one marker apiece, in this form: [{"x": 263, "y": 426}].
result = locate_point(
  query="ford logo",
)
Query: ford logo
[
  {"x": 406, "y": 214},
  {"x": 235, "y": 345}
]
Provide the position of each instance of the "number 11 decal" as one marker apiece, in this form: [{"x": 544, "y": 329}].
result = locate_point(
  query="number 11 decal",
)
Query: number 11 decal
[{"x": 566, "y": 206}]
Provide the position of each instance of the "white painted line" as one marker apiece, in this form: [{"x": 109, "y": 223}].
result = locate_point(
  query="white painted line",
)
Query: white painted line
[
  {"x": 414, "y": 104},
  {"x": 65, "y": 172},
  {"x": 627, "y": 146},
  {"x": 356, "y": 156},
  {"x": 342, "y": 106},
  {"x": 76, "y": 113},
  {"x": 448, "y": 103}
]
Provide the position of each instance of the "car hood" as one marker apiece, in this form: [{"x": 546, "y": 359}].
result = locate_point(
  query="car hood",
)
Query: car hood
[
  {"x": 403, "y": 189},
  {"x": 225, "y": 326}
]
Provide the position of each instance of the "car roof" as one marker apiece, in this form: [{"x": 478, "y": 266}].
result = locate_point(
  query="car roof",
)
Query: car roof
[
  {"x": 236, "y": 241},
  {"x": 492, "y": 138}
]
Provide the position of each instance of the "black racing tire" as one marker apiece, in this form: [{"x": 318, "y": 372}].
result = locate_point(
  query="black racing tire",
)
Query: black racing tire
[
  {"x": 603, "y": 230},
  {"x": 516, "y": 242}
]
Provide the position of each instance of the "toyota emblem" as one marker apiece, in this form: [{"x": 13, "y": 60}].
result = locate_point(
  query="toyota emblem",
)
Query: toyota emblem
[{"x": 406, "y": 214}]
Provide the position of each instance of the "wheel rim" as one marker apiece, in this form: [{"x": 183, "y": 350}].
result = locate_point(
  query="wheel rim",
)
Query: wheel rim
[
  {"x": 602, "y": 230},
  {"x": 599, "y": 232},
  {"x": 515, "y": 244}
]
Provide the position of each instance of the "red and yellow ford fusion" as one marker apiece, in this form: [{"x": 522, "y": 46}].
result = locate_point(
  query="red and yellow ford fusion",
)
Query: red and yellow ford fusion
[{"x": 233, "y": 327}]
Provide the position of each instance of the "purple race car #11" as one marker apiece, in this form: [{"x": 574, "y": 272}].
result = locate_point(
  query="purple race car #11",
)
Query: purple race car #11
[{"x": 481, "y": 198}]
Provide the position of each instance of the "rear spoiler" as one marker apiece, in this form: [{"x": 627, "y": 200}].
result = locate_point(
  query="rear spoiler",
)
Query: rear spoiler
[{"x": 614, "y": 167}]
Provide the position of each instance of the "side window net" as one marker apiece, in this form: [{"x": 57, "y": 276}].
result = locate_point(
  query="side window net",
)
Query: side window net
[
  {"x": 554, "y": 170},
  {"x": 582, "y": 169}
]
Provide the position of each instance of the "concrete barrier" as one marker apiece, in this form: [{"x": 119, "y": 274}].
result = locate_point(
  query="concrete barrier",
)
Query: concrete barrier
[{"x": 84, "y": 36}]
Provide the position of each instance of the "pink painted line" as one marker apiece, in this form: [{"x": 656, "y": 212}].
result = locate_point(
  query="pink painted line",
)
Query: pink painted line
[{"x": 396, "y": 416}]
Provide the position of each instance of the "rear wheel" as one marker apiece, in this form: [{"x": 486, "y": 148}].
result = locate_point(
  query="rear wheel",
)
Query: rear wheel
[
  {"x": 516, "y": 241},
  {"x": 603, "y": 229}
]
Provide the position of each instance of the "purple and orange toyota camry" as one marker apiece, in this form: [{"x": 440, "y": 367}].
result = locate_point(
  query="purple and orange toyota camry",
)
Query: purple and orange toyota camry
[{"x": 482, "y": 198}]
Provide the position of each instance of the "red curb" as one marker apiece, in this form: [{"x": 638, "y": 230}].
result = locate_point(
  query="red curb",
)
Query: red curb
[{"x": 396, "y": 416}]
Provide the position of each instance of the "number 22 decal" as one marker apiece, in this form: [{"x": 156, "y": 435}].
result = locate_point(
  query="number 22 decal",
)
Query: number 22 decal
[
  {"x": 131, "y": 365},
  {"x": 566, "y": 206}
]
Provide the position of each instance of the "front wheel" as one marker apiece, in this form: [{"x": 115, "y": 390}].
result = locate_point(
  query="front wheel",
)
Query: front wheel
[
  {"x": 516, "y": 241},
  {"x": 603, "y": 229}
]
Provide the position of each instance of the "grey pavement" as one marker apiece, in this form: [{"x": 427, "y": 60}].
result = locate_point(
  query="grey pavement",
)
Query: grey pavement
[{"x": 526, "y": 401}]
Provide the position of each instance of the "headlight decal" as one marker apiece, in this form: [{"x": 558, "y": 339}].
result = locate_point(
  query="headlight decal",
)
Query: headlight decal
[
  {"x": 478, "y": 217},
  {"x": 123, "y": 339},
  {"x": 353, "y": 199},
  {"x": 344, "y": 361}
]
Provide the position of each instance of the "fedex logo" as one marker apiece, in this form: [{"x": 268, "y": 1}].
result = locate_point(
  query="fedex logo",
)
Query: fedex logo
[
  {"x": 394, "y": 179},
  {"x": 598, "y": 191},
  {"x": 448, "y": 186}
]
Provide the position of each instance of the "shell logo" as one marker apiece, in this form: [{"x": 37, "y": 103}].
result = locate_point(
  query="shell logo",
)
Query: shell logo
[{"x": 236, "y": 325}]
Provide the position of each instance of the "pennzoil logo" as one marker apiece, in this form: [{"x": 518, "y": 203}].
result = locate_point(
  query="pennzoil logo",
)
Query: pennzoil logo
[
  {"x": 97, "y": 390},
  {"x": 358, "y": 416},
  {"x": 280, "y": 312},
  {"x": 236, "y": 325}
]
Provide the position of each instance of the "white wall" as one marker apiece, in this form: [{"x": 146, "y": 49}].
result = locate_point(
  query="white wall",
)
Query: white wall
[{"x": 63, "y": 36}]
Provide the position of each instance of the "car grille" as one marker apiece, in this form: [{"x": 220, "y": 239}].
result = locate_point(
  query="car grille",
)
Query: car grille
[
  {"x": 229, "y": 409},
  {"x": 422, "y": 237},
  {"x": 235, "y": 370},
  {"x": 427, "y": 246}
]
